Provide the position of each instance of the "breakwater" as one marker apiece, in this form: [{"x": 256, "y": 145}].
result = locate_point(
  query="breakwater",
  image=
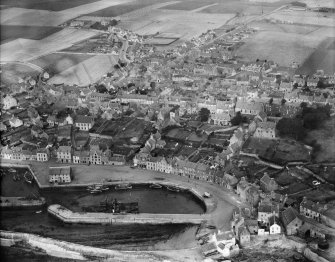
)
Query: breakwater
[
  {"x": 21, "y": 202},
  {"x": 67, "y": 216}
]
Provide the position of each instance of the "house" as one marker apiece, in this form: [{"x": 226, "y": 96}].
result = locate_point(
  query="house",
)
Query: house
[
  {"x": 291, "y": 221},
  {"x": 265, "y": 130},
  {"x": 222, "y": 119},
  {"x": 61, "y": 174},
  {"x": 226, "y": 238},
  {"x": 312, "y": 210},
  {"x": 42, "y": 155},
  {"x": 248, "y": 108},
  {"x": 64, "y": 154},
  {"x": 268, "y": 184},
  {"x": 9, "y": 102},
  {"x": 209, "y": 249},
  {"x": 81, "y": 157},
  {"x": 117, "y": 160},
  {"x": 99, "y": 156},
  {"x": 248, "y": 192},
  {"x": 15, "y": 122},
  {"x": 243, "y": 236},
  {"x": 52, "y": 120},
  {"x": 267, "y": 209},
  {"x": 274, "y": 225},
  {"x": 84, "y": 123},
  {"x": 252, "y": 225}
]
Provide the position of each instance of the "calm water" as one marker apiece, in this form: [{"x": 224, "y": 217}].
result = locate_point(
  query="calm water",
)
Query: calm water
[{"x": 108, "y": 236}]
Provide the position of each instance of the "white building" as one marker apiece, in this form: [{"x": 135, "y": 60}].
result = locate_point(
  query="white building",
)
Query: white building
[
  {"x": 64, "y": 154},
  {"x": 60, "y": 174},
  {"x": 266, "y": 130},
  {"x": 15, "y": 122},
  {"x": 42, "y": 155},
  {"x": 84, "y": 123},
  {"x": 8, "y": 102}
]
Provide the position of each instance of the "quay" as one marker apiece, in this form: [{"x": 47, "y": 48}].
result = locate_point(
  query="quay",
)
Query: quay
[
  {"x": 69, "y": 217},
  {"x": 21, "y": 202}
]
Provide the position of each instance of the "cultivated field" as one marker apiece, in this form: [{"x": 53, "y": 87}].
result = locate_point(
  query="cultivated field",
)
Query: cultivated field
[
  {"x": 24, "y": 50},
  {"x": 85, "y": 72},
  {"x": 9, "y": 33},
  {"x": 58, "y": 62},
  {"x": 322, "y": 58},
  {"x": 283, "y": 48},
  {"x": 33, "y": 17},
  {"x": 11, "y": 73}
]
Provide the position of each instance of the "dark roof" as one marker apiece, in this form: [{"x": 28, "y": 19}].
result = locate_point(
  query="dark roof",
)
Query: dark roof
[{"x": 288, "y": 215}]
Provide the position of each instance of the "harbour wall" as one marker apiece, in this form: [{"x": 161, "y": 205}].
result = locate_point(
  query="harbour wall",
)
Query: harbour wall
[
  {"x": 21, "y": 202},
  {"x": 67, "y": 216}
]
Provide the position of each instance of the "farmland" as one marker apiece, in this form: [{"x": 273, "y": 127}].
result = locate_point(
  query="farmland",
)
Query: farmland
[
  {"x": 12, "y": 72},
  {"x": 85, "y": 72},
  {"x": 9, "y": 33},
  {"x": 57, "y": 62},
  {"x": 322, "y": 58},
  {"x": 51, "y": 5}
]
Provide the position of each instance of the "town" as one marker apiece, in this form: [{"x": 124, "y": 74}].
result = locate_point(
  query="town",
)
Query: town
[{"x": 195, "y": 111}]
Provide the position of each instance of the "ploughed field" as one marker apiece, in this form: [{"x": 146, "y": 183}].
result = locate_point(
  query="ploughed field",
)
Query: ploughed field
[{"x": 106, "y": 236}]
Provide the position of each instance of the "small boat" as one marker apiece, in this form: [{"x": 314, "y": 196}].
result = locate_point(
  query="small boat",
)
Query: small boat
[
  {"x": 104, "y": 188},
  {"x": 95, "y": 191},
  {"x": 206, "y": 194},
  {"x": 123, "y": 186},
  {"x": 38, "y": 212},
  {"x": 28, "y": 177},
  {"x": 172, "y": 188},
  {"x": 155, "y": 186},
  {"x": 12, "y": 170}
]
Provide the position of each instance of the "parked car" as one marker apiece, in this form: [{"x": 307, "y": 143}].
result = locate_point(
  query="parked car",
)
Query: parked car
[{"x": 316, "y": 183}]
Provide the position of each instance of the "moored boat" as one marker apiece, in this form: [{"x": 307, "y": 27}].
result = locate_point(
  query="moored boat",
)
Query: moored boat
[
  {"x": 173, "y": 188},
  {"x": 155, "y": 186},
  {"x": 28, "y": 177},
  {"x": 12, "y": 170},
  {"x": 95, "y": 191},
  {"x": 123, "y": 186}
]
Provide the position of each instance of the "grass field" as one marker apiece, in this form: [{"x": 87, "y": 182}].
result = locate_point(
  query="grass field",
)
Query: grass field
[
  {"x": 322, "y": 58},
  {"x": 283, "y": 48},
  {"x": 51, "y": 5},
  {"x": 85, "y": 72},
  {"x": 12, "y": 72},
  {"x": 121, "y": 9},
  {"x": 190, "y": 5},
  {"x": 12, "y": 32},
  {"x": 58, "y": 62}
]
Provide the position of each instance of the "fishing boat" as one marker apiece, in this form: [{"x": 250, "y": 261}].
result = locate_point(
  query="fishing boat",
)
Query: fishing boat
[
  {"x": 172, "y": 188},
  {"x": 155, "y": 186},
  {"x": 123, "y": 186},
  {"x": 95, "y": 191},
  {"x": 28, "y": 177},
  {"x": 207, "y": 195},
  {"x": 38, "y": 212},
  {"x": 104, "y": 188},
  {"x": 12, "y": 170}
]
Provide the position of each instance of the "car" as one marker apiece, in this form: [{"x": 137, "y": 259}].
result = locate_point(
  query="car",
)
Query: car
[{"x": 315, "y": 183}]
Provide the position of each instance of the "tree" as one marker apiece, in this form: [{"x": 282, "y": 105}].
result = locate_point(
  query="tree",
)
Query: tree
[
  {"x": 204, "y": 114},
  {"x": 101, "y": 88},
  {"x": 283, "y": 101},
  {"x": 271, "y": 101},
  {"x": 291, "y": 127},
  {"x": 295, "y": 86},
  {"x": 303, "y": 105},
  {"x": 237, "y": 119}
]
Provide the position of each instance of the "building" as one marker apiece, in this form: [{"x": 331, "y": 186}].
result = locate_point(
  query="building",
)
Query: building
[
  {"x": 265, "y": 130},
  {"x": 64, "y": 154},
  {"x": 243, "y": 236},
  {"x": 268, "y": 184},
  {"x": 15, "y": 122},
  {"x": 267, "y": 209},
  {"x": 42, "y": 155},
  {"x": 312, "y": 210},
  {"x": 248, "y": 108},
  {"x": 81, "y": 157},
  {"x": 291, "y": 220},
  {"x": 274, "y": 225},
  {"x": 99, "y": 156},
  {"x": 60, "y": 174},
  {"x": 84, "y": 123},
  {"x": 9, "y": 102}
]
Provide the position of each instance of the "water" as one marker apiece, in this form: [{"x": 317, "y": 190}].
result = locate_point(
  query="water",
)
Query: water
[{"x": 107, "y": 236}]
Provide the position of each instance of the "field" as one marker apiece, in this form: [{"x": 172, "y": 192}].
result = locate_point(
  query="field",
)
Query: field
[
  {"x": 9, "y": 33},
  {"x": 51, "y": 5},
  {"x": 58, "y": 62},
  {"x": 283, "y": 48},
  {"x": 322, "y": 58},
  {"x": 24, "y": 50},
  {"x": 161, "y": 41},
  {"x": 121, "y": 9},
  {"x": 12, "y": 72},
  {"x": 85, "y": 72}
]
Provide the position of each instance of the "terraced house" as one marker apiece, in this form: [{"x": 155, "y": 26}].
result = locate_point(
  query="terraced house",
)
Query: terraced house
[
  {"x": 64, "y": 154},
  {"x": 84, "y": 123}
]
